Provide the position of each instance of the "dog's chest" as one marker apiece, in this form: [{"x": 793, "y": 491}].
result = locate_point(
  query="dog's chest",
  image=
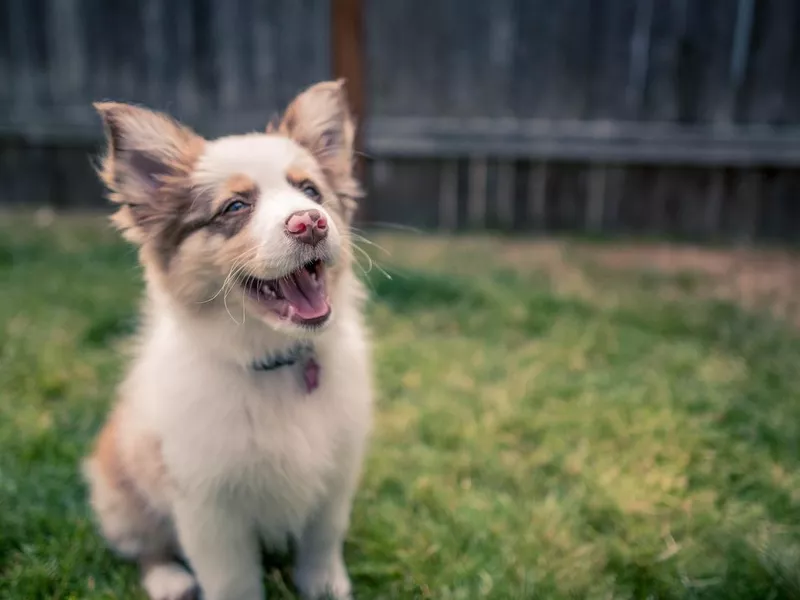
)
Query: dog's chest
[{"x": 263, "y": 443}]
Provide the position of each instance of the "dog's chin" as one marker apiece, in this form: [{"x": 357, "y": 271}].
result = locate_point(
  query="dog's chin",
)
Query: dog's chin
[{"x": 297, "y": 301}]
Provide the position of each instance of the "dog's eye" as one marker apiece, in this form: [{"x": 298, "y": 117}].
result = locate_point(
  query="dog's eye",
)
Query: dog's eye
[
  {"x": 235, "y": 206},
  {"x": 310, "y": 190}
]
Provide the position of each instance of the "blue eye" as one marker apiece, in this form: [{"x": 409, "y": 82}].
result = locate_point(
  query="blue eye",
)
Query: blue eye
[
  {"x": 309, "y": 190},
  {"x": 236, "y": 206}
]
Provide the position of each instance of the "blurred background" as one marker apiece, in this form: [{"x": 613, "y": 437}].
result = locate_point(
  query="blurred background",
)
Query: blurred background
[
  {"x": 580, "y": 241},
  {"x": 665, "y": 117}
]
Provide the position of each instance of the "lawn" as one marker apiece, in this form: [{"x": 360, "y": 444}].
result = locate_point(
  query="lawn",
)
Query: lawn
[{"x": 547, "y": 426}]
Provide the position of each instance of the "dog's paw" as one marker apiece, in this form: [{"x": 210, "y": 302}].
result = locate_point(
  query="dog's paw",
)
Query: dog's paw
[
  {"x": 329, "y": 581},
  {"x": 170, "y": 582}
]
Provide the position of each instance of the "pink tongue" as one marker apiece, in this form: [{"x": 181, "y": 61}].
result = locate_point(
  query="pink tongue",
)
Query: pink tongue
[{"x": 306, "y": 296}]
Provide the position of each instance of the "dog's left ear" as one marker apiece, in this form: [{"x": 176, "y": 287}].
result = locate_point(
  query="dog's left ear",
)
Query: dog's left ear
[
  {"x": 320, "y": 120},
  {"x": 146, "y": 167}
]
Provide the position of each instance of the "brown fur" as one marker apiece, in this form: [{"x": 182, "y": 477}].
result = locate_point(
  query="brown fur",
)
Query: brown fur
[
  {"x": 320, "y": 120},
  {"x": 147, "y": 171},
  {"x": 297, "y": 176},
  {"x": 117, "y": 494},
  {"x": 238, "y": 185}
]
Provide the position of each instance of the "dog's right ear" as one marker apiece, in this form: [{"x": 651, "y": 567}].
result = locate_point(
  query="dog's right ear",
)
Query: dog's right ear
[{"x": 147, "y": 167}]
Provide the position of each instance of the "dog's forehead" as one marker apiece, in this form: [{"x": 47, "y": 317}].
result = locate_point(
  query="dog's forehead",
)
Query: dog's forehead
[{"x": 265, "y": 158}]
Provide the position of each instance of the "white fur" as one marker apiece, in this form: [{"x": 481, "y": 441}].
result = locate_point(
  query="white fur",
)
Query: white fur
[
  {"x": 168, "y": 582},
  {"x": 250, "y": 456},
  {"x": 265, "y": 159}
]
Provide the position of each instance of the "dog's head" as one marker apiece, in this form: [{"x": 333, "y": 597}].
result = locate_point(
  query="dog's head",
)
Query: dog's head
[{"x": 255, "y": 223}]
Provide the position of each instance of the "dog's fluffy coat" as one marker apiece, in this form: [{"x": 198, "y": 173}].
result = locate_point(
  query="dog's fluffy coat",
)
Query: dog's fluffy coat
[{"x": 204, "y": 458}]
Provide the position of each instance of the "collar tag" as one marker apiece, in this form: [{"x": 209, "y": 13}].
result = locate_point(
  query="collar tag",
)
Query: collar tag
[
  {"x": 302, "y": 353},
  {"x": 311, "y": 372}
]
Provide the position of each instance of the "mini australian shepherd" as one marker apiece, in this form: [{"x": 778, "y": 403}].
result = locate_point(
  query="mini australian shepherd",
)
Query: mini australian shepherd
[{"x": 245, "y": 413}]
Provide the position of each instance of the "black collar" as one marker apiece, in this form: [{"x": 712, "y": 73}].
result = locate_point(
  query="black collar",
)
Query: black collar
[{"x": 285, "y": 358}]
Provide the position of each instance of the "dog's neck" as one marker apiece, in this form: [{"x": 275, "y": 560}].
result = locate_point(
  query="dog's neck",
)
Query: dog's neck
[
  {"x": 215, "y": 333},
  {"x": 294, "y": 354},
  {"x": 231, "y": 337}
]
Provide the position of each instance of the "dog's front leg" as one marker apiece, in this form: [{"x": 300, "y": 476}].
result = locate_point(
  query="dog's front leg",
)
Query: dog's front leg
[
  {"x": 320, "y": 571},
  {"x": 222, "y": 549}
]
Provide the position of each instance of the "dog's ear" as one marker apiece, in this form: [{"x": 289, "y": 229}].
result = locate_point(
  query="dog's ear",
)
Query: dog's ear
[
  {"x": 319, "y": 119},
  {"x": 147, "y": 166}
]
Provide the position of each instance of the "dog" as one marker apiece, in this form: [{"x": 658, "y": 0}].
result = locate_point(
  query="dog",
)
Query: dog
[{"x": 245, "y": 414}]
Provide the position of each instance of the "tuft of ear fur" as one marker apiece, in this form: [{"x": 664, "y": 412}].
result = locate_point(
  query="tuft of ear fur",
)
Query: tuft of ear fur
[
  {"x": 146, "y": 168},
  {"x": 319, "y": 119}
]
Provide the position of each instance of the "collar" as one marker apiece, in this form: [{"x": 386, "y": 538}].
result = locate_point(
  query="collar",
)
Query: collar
[
  {"x": 283, "y": 358},
  {"x": 302, "y": 353}
]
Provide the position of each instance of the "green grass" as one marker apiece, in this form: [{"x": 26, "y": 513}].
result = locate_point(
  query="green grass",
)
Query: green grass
[{"x": 530, "y": 442}]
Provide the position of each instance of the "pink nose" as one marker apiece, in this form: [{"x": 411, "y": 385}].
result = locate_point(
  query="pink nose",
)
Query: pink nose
[{"x": 307, "y": 226}]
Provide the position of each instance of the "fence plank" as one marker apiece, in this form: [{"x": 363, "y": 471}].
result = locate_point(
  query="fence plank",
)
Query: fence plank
[
  {"x": 504, "y": 198},
  {"x": 595, "y": 209},
  {"x": 24, "y": 69},
  {"x": 448, "y": 196},
  {"x": 476, "y": 203},
  {"x": 640, "y": 56},
  {"x": 154, "y": 51},
  {"x": 67, "y": 69},
  {"x": 716, "y": 195},
  {"x": 537, "y": 195},
  {"x": 227, "y": 40}
]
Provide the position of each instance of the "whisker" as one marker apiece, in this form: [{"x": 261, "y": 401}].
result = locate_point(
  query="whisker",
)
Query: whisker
[
  {"x": 396, "y": 226},
  {"x": 370, "y": 242},
  {"x": 242, "y": 267},
  {"x": 227, "y": 310},
  {"x": 244, "y": 313},
  {"x": 234, "y": 270},
  {"x": 367, "y": 256}
]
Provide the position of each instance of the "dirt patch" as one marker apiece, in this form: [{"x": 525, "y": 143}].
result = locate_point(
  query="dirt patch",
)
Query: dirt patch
[{"x": 752, "y": 277}]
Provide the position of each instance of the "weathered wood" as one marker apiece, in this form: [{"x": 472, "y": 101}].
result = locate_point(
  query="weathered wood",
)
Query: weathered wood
[
  {"x": 476, "y": 202},
  {"x": 227, "y": 40},
  {"x": 448, "y": 196},
  {"x": 640, "y": 56},
  {"x": 480, "y": 114},
  {"x": 624, "y": 142},
  {"x": 595, "y": 206},
  {"x": 408, "y": 190},
  {"x": 504, "y": 195},
  {"x": 537, "y": 195},
  {"x": 347, "y": 35},
  {"x": 154, "y": 50},
  {"x": 744, "y": 214},
  {"x": 22, "y": 66},
  {"x": 716, "y": 195},
  {"x": 67, "y": 73}
]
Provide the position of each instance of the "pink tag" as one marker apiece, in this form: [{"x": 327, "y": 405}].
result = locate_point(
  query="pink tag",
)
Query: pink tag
[{"x": 311, "y": 374}]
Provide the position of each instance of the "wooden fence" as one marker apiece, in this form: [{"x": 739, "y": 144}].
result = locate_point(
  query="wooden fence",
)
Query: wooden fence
[{"x": 645, "y": 116}]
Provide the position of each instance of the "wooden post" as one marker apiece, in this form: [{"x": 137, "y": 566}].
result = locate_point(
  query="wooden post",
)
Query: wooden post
[{"x": 347, "y": 39}]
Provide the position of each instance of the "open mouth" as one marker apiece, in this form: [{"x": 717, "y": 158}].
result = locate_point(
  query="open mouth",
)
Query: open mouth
[{"x": 300, "y": 296}]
